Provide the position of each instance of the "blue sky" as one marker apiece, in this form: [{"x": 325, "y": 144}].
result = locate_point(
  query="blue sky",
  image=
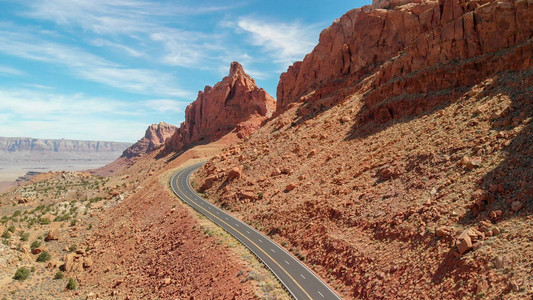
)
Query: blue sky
[{"x": 105, "y": 70}]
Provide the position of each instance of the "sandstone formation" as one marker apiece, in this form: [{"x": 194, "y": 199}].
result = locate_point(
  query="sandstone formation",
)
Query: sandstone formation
[
  {"x": 155, "y": 136},
  {"x": 236, "y": 101},
  {"x": 408, "y": 55},
  {"x": 407, "y": 136}
]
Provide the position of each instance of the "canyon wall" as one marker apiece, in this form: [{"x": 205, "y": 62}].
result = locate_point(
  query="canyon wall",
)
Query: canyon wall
[{"x": 400, "y": 52}]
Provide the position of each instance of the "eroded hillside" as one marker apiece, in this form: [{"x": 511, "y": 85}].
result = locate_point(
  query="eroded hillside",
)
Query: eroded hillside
[{"x": 405, "y": 175}]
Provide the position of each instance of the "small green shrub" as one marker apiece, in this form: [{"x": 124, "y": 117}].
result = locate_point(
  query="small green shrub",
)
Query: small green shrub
[
  {"x": 11, "y": 228},
  {"x": 73, "y": 248},
  {"x": 45, "y": 221},
  {"x": 71, "y": 285},
  {"x": 24, "y": 236},
  {"x": 21, "y": 274},
  {"x": 6, "y": 234},
  {"x": 59, "y": 275},
  {"x": 35, "y": 244},
  {"x": 44, "y": 256}
]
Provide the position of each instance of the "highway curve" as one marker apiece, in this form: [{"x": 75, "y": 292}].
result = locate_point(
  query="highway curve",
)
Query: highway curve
[{"x": 297, "y": 279}]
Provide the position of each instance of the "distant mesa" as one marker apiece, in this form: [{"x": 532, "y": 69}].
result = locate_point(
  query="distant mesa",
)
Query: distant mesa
[
  {"x": 235, "y": 103},
  {"x": 33, "y": 145}
]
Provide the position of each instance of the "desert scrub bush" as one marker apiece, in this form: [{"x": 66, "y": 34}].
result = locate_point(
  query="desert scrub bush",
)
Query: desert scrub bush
[
  {"x": 24, "y": 236},
  {"x": 11, "y": 228},
  {"x": 73, "y": 248},
  {"x": 73, "y": 222},
  {"x": 45, "y": 221},
  {"x": 59, "y": 275},
  {"x": 35, "y": 244},
  {"x": 71, "y": 285},
  {"x": 21, "y": 274},
  {"x": 6, "y": 234},
  {"x": 44, "y": 256}
]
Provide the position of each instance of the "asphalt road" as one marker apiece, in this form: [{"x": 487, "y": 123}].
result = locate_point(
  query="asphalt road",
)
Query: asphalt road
[{"x": 298, "y": 279}]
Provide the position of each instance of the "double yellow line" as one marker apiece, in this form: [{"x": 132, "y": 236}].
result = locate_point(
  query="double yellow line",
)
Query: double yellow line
[{"x": 264, "y": 252}]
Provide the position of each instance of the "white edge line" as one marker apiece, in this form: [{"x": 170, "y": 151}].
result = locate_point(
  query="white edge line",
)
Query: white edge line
[
  {"x": 296, "y": 259},
  {"x": 264, "y": 263}
]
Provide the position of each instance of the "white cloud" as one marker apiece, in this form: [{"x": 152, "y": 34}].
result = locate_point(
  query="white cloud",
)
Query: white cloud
[
  {"x": 128, "y": 50},
  {"x": 136, "y": 80},
  {"x": 10, "y": 71},
  {"x": 76, "y": 116},
  {"x": 89, "y": 66},
  {"x": 166, "y": 105},
  {"x": 284, "y": 42}
]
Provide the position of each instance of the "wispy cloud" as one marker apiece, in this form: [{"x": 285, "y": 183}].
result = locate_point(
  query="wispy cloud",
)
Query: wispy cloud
[
  {"x": 165, "y": 105},
  {"x": 123, "y": 48},
  {"x": 38, "y": 114},
  {"x": 89, "y": 66},
  {"x": 284, "y": 42},
  {"x": 5, "y": 70},
  {"x": 136, "y": 80}
]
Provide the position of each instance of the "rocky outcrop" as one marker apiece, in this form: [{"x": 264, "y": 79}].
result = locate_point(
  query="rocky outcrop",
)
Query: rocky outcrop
[
  {"x": 155, "y": 136},
  {"x": 397, "y": 50},
  {"x": 236, "y": 101}
]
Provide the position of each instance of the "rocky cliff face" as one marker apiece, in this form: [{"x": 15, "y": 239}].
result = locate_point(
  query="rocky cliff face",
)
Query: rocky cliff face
[
  {"x": 234, "y": 102},
  {"x": 399, "y": 166},
  {"x": 31, "y": 145},
  {"x": 155, "y": 136},
  {"x": 406, "y": 54}
]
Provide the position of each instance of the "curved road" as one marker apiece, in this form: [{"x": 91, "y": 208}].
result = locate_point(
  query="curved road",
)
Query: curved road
[{"x": 298, "y": 279}]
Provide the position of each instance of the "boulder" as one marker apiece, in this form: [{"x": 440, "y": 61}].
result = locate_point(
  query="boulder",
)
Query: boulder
[
  {"x": 291, "y": 186},
  {"x": 234, "y": 173},
  {"x": 53, "y": 235},
  {"x": 464, "y": 241},
  {"x": 208, "y": 182}
]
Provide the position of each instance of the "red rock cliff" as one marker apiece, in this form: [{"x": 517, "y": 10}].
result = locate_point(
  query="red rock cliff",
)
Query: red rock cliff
[
  {"x": 410, "y": 48},
  {"x": 234, "y": 102},
  {"x": 155, "y": 135}
]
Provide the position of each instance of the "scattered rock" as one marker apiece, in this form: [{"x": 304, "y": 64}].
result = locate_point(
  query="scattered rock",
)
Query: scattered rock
[
  {"x": 495, "y": 231},
  {"x": 87, "y": 262},
  {"x": 234, "y": 173},
  {"x": 208, "y": 183},
  {"x": 501, "y": 262},
  {"x": 38, "y": 250},
  {"x": 464, "y": 241},
  {"x": 516, "y": 206},
  {"x": 53, "y": 235},
  {"x": 290, "y": 187},
  {"x": 496, "y": 214},
  {"x": 345, "y": 119},
  {"x": 482, "y": 286},
  {"x": 444, "y": 231}
]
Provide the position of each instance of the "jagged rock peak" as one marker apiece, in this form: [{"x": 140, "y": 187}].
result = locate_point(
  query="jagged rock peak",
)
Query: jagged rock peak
[
  {"x": 155, "y": 136},
  {"x": 235, "y": 100}
]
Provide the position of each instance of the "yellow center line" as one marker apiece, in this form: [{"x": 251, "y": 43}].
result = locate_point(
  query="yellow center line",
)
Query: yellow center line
[{"x": 178, "y": 187}]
